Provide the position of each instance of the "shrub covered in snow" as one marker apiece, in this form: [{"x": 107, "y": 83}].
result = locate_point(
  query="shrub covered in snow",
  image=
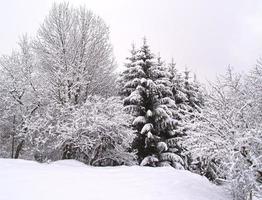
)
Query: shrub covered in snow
[
  {"x": 96, "y": 132},
  {"x": 228, "y": 137}
]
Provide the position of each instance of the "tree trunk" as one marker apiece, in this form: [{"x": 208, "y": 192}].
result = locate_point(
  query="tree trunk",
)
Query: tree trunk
[
  {"x": 94, "y": 158},
  {"x": 19, "y": 148},
  {"x": 13, "y": 139},
  {"x": 13, "y": 145},
  {"x": 250, "y": 195}
]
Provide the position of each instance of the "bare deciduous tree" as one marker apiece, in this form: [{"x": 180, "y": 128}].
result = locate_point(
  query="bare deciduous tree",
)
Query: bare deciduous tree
[
  {"x": 19, "y": 96},
  {"x": 75, "y": 54}
]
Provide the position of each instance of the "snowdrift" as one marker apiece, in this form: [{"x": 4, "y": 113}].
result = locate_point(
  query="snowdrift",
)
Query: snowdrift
[{"x": 72, "y": 180}]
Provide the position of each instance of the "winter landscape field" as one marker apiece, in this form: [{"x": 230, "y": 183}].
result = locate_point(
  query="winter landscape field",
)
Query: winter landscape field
[
  {"x": 134, "y": 99},
  {"x": 71, "y": 179}
]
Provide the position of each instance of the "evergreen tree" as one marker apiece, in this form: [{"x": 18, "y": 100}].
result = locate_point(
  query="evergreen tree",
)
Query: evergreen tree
[
  {"x": 125, "y": 86},
  {"x": 178, "y": 88},
  {"x": 177, "y": 142},
  {"x": 195, "y": 102},
  {"x": 193, "y": 92},
  {"x": 189, "y": 100},
  {"x": 148, "y": 93}
]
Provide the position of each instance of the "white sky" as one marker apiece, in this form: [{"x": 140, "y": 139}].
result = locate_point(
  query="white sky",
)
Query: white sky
[{"x": 204, "y": 35}]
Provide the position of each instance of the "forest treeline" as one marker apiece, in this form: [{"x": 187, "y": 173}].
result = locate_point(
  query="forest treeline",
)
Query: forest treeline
[{"x": 61, "y": 98}]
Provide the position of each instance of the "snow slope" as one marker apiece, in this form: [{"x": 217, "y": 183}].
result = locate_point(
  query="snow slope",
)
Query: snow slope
[{"x": 72, "y": 180}]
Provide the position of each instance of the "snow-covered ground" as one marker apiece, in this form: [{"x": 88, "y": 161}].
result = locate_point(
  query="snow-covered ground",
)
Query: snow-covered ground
[{"x": 72, "y": 180}]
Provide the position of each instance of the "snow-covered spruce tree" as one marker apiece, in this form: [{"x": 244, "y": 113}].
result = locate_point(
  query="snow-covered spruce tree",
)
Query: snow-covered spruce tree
[
  {"x": 128, "y": 74},
  {"x": 194, "y": 104},
  {"x": 194, "y": 92},
  {"x": 149, "y": 98},
  {"x": 186, "y": 113}
]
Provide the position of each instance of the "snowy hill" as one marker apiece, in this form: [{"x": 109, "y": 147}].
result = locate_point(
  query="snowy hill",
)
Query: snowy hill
[{"x": 72, "y": 180}]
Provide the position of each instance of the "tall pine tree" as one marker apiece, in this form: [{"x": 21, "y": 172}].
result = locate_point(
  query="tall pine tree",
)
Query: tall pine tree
[
  {"x": 148, "y": 95},
  {"x": 176, "y": 143},
  {"x": 189, "y": 100}
]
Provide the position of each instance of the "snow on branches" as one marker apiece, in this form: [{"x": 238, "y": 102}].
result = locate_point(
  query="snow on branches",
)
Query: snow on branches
[
  {"x": 150, "y": 91},
  {"x": 96, "y": 133},
  {"x": 227, "y": 139}
]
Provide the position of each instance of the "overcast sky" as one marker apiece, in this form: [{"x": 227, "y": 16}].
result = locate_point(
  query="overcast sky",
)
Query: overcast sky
[{"x": 204, "y": 35}]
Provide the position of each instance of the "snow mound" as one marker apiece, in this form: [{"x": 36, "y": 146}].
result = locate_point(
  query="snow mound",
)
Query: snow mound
[{"x": 72, "y": 180}]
